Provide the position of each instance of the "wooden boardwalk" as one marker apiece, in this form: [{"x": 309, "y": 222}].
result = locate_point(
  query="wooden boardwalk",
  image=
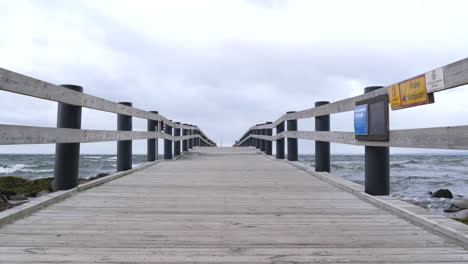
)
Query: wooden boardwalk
[{"x": 220, "y": 205}]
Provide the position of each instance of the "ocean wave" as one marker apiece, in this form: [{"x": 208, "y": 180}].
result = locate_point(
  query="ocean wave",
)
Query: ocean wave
[
  {"x": 92, "y": 157},
  {"x": 336, "y": 166},
  {"x": 39, "y": 171},
  {"x": 16, "y": 167},
  {"x": 396, "y": 165}
]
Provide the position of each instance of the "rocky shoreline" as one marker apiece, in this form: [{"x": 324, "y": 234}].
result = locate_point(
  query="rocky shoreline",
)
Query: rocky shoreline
[
  {"x": 457, "y": 209},
  {"x": 15, "y": 191}
]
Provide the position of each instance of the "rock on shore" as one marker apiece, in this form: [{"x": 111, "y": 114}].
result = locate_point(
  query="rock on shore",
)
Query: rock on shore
[{"x": 20, "y": 190}]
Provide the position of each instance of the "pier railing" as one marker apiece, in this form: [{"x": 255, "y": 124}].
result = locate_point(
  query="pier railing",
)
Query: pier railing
[
  {"x": 377, "y": 165},
  {"x": 68, "y": 134}
]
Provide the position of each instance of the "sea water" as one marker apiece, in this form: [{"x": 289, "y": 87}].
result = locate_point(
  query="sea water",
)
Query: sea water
[{"x": 412, "y": 177}]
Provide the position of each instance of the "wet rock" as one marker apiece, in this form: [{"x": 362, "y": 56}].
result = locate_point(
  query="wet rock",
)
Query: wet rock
[
  {"x": 9, "y": 194},
  {"x": 100, "y": 175},
  {"x": 3, "y": 198},
  {"x": 442, "y": 193},
  {"x": 15, "y": 186},
  {"x": 458, "y": 204},
  {"x": 460, "y": 214}
]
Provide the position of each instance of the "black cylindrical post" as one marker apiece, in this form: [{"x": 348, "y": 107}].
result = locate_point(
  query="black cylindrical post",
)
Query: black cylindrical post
[
  {"x": 195, "y": 140},
  {"x": 167, "y": 142},
  {"x": 151, "y": 143},
  {"x": 262, "y": 141},
  {"x": 190, "y": 141},
  {"x": 184, "y": 142},
  {"x": 254, "y": 140},
  {"x": 292, "y": 142},
  {"x": 177, "y": 142},
  {"x": 268, "y": 143},
  {"x": 67, "y": 155},
  {"x": 377, "y": 165},
  {"x": 124, "y": 147},
  {"x": 257, "y": 140},
  {"x": 322, "y": 148},
  {"x": 280, "y": 142}
]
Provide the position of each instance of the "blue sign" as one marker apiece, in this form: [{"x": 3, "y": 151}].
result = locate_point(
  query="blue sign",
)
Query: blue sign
[{"x": 360, "y": 120}]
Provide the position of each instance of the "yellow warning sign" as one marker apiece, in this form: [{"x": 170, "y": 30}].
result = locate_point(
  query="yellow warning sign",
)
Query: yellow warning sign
[
  {"x": 413, "y": 92},
  {"x": 394, "y": 95}
]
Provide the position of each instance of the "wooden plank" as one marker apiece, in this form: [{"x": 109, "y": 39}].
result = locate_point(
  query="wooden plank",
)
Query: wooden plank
[{"x": 14, "y": 135}]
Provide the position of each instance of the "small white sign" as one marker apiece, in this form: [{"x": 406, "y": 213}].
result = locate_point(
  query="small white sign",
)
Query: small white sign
[{"x": 435, "y": 80}]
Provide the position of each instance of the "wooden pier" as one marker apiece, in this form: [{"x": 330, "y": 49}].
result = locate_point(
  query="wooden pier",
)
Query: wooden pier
[
  {"x": 206, "y": 204},
  {"x": 221, "y": 205}
]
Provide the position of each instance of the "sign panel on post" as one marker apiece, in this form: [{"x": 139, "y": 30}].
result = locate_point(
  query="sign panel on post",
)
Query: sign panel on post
[
  {"x": 360, "y": 120},
  {"x": 394, "y": 95},
  {"x": 416, "y": 91},
  {"x": 435, "y": 80},
  {"x": 413, "y": 91}
]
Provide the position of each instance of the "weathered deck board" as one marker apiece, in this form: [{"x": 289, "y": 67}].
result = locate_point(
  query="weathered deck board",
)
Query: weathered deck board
[{"x": 220, "y": 205}]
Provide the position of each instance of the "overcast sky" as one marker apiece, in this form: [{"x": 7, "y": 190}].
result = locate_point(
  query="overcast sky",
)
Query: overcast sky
[{"x": 226, "y": 65}]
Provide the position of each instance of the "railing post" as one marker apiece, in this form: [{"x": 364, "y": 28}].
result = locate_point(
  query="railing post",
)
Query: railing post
[
  {"x": 254, "y": 140},
  {"x": 280, "y": 142},
  {"x": 177, "y": 142},
  {"x": 167, "y": 142},
  {"x": 377, "y": 165},
  {"x": 292, "y": 142},
  {"x": 196, "y": 140},
  {"x": 268, "y": 143},
  {"x": 257, "y": 140},
  {"x": 124, "y": 147},
  {"x": 262, "y": 141},
  {"x": 184, "y": 142},
  {"x": 322, "y": 148},
  {"x": 151, "y": 142},
  {"x": 190, "y": 141},
  {"x": 67, "y": 155}
]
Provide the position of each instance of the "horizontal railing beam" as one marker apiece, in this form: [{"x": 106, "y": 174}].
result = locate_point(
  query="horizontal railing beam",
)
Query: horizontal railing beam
[
  {"x": 16, "y": 135},
  {"x": 433, "y": 138}
]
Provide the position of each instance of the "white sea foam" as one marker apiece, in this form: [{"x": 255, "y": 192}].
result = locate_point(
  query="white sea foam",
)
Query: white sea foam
[
  {"x": 32, "y": 170},
  {"x": 92, "y": 157},
  {"x": 15, "y": 168}
]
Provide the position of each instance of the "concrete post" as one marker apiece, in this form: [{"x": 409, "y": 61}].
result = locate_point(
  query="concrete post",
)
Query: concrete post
[{"x": 67, "y": 155}]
